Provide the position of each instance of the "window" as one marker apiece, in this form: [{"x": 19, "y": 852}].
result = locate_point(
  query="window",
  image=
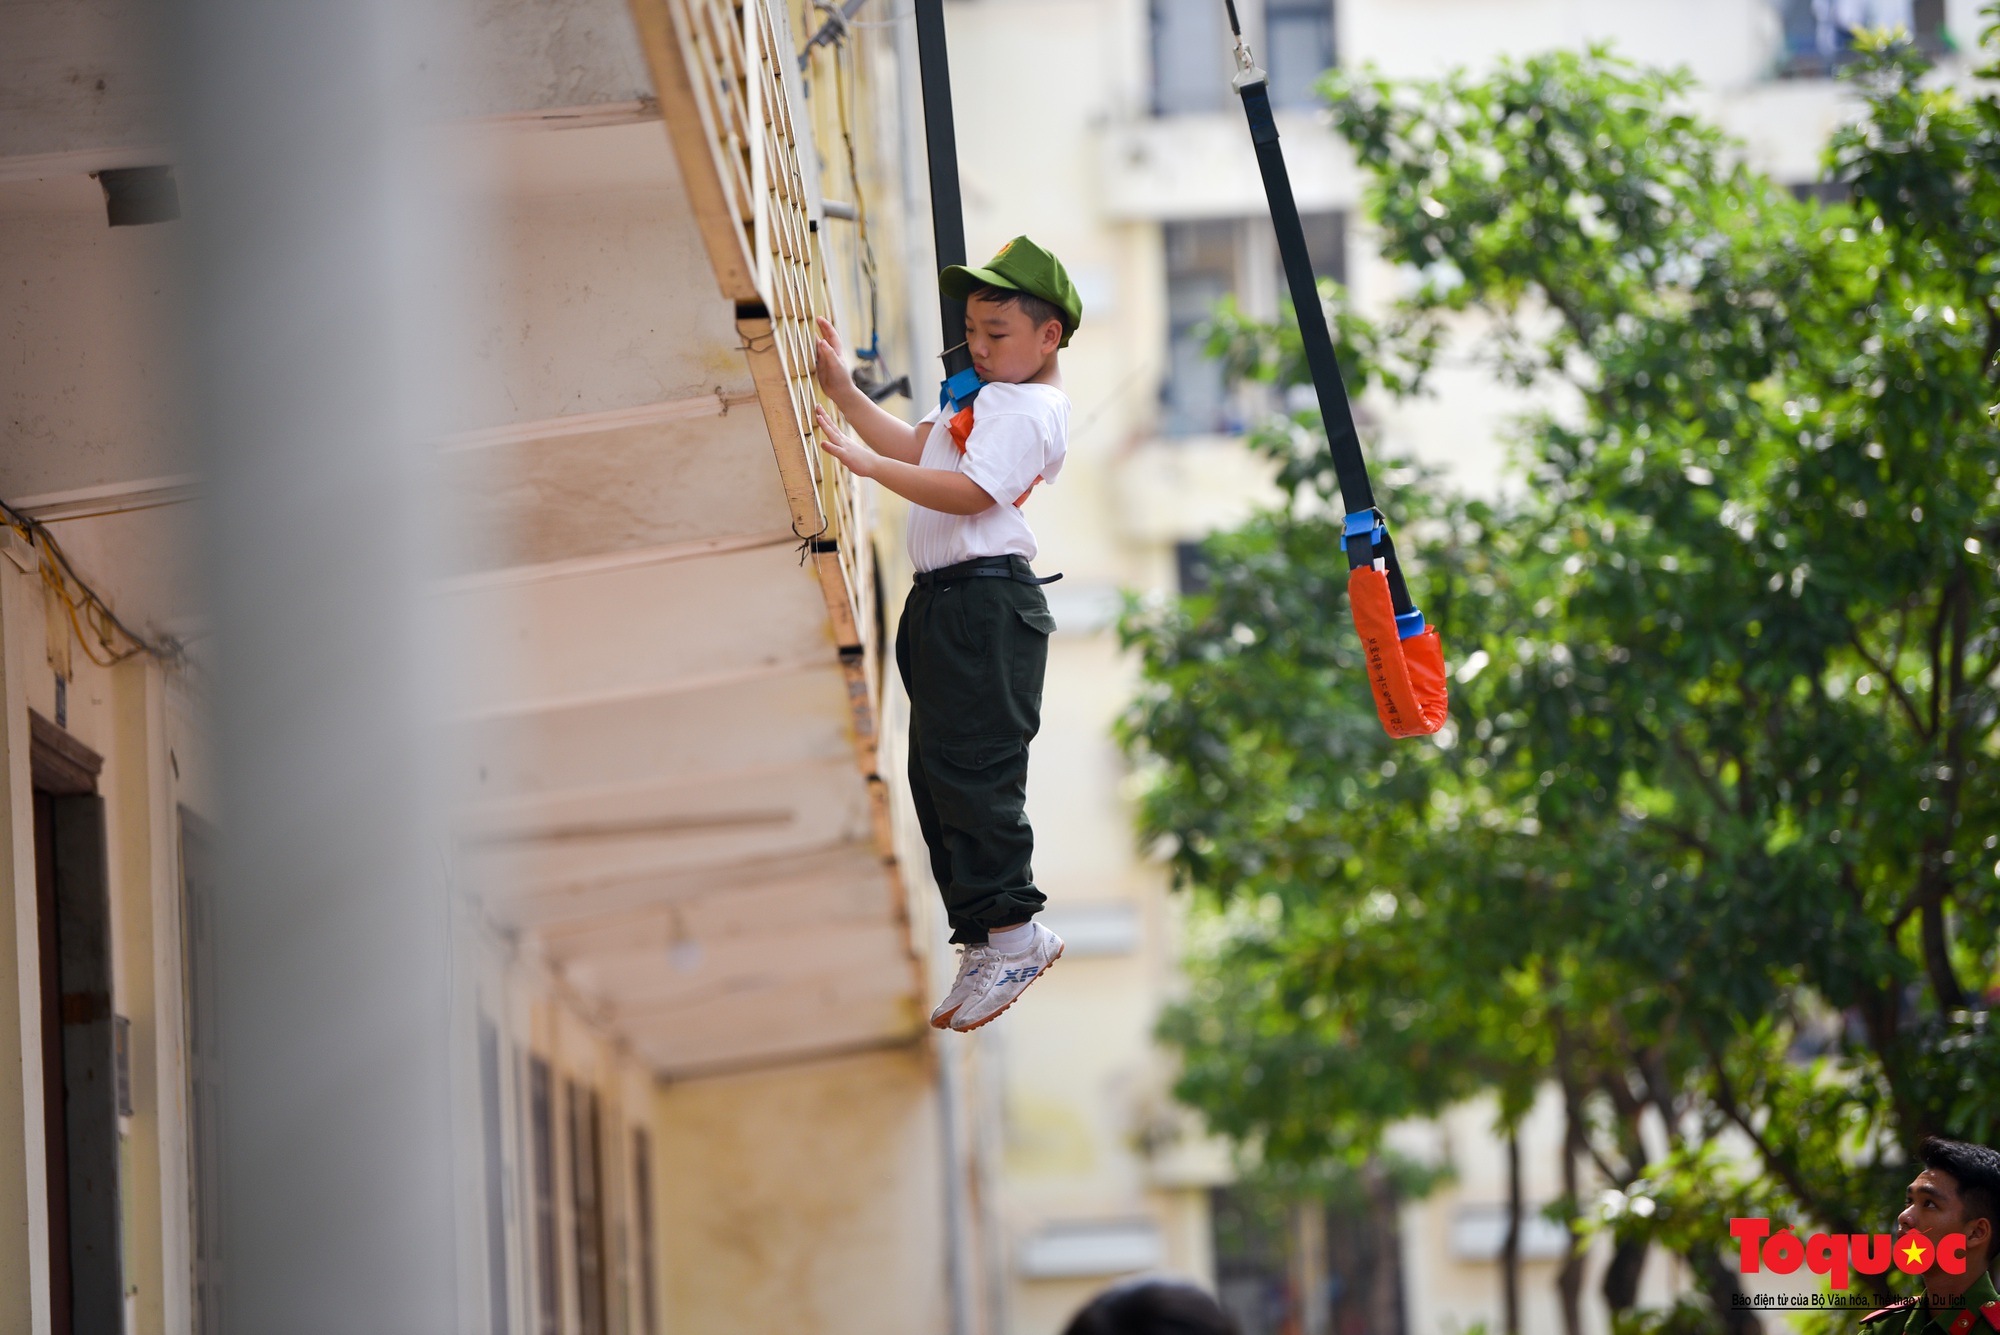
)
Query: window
[
  {"x": 1819, "y": 34},
  {"x": 1326, "y": 246},
  {"x": 1823, "y": 192},
  {"x": 586, "y": 1183},
  {"x": 542, "y": 1147},
  {"x": 1191, "y": 45},
  {"x": 1190, "y": 570},
  {"x": 1206, "y": 261},
  {"x": 1297, "y": 49},
  {"x": 642, "y": 1195},
  {"x": 1191, "y": 61},
  {"x": 1201, "y": 270}
]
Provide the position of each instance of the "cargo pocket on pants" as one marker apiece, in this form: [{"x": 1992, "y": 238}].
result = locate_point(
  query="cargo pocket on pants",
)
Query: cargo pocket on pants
[
  {"x": 1031, "y": 650},
  {"x": 978, "y": 755},
  {"x": 1037, "y": 618}
]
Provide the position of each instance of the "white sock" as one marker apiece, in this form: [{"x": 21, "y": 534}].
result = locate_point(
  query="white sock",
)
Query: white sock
[{"x": 1012, "y": 940}]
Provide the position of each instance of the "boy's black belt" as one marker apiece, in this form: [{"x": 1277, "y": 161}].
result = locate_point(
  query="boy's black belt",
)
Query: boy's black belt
[{"x": 991, "y": 567}]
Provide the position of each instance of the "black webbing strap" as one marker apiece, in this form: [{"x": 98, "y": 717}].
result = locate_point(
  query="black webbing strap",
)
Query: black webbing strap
[
  {"x": 1356, "y": 495},
  {"x": 941, "y": 145}
]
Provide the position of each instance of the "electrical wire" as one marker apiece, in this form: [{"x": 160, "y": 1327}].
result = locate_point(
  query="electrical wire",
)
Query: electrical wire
[
  {"x": 835, "y": 34},
  {"x": 838, "y": 20},
  {"x": 85, "y": 605}
]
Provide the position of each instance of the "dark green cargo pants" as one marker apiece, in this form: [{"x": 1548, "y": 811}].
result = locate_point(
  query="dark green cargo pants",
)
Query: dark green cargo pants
[{"x": 973, "y": 652}]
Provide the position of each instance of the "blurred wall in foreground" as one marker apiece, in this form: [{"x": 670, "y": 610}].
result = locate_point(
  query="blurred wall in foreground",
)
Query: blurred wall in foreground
[{"x": 457, "y": 878}]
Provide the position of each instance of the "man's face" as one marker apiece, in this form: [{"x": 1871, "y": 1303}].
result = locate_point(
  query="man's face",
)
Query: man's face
[
  {"x": 1006, "y": 346},
  {"x": 1934, "y": 1208}
]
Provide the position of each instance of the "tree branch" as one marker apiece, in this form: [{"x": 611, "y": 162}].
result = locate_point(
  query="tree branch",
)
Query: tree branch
[
  {"x": 1937, "y": 950},
  {"x": 1895, "y": 688},
  {"x": 1688, "y": 758},
  {"x": 1947, "y": 601},
  {"x": 1782, "y": 1164},
  {"x": 1911, "y": 903},
  {"x": 1686, "y": 837}
]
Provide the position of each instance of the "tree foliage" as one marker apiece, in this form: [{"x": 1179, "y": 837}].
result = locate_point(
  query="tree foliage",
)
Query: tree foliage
[{"x": 1710, "y": 841}]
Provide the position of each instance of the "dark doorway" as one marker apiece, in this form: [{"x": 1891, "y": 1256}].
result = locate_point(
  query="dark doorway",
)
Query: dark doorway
[
  {"x": 79, "y": 1057},
  {"x": 1257, "y": 1266},
  {"x": 204, "y": 1060},
  {"x": 1251, "y": 1266},
  {"x": 642, "y": 1196}
]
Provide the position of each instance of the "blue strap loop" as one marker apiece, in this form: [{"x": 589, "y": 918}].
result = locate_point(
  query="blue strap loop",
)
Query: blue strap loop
[
  {"x": 956, "y": 392},
  {"x": 1364, "y": 521},
  {"x": 1409, "y": 623}
]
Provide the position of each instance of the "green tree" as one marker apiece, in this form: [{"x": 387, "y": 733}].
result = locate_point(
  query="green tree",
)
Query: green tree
[{"x": 1712, "y": 833}]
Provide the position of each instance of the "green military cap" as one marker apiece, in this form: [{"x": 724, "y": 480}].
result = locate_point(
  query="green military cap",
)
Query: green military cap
[{"x": 1021, "y": 266}]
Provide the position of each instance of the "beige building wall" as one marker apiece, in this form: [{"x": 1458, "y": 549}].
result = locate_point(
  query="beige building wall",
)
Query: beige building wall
[
  {"x": 804, "y": 1199},
  {"x": 141, "y": 719},
  {"x": 798, "y": 1197},
  {"x": 88, "y": 384}
]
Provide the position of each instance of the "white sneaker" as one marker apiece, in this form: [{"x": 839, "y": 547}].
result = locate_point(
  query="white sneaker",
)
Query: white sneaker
[
  {"x": 999, "y": 980},
  {"x": 972, "y": 960}
]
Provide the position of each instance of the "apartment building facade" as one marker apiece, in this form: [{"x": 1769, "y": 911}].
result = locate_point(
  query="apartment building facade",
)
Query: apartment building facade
[{"x": 1143, "y": 180}]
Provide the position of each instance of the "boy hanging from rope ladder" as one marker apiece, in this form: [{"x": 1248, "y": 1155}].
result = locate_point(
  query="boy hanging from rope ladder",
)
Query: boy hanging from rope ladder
[{"x": 973, "y": 643}]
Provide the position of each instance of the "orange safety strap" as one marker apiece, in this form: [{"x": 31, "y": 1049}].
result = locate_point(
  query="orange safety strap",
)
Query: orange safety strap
[
  {"x": 1406, "y": 675},
  {"x": 961, "y": 429}
]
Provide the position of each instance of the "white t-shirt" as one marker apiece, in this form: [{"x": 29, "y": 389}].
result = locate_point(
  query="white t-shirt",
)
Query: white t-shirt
[{"x": 1019, "y": 433}]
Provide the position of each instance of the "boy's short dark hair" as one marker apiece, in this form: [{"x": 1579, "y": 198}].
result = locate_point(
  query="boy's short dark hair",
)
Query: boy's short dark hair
[
  {"x": 1976, "y": 1170},
  {"x": 1035, "y": 308},
  {"x": 1152, "y": 1307}
]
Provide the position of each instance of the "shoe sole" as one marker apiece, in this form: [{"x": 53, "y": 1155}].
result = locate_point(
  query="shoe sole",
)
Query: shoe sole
[{"x": 1017, "y": 996}]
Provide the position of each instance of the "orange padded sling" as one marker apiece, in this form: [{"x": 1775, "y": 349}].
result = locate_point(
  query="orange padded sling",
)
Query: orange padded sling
[{"x": 1406, "y": 674}]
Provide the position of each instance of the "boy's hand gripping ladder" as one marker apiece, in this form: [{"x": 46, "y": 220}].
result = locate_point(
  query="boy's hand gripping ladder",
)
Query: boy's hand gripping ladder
[{"x": 1405, "y": 657}]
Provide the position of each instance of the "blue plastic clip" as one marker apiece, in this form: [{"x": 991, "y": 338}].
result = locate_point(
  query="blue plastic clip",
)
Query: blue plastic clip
[
  {"x": 1409, "y": 623},
  {"x": 959, "y": 389},
  {"x": 1367, "y": 521}
]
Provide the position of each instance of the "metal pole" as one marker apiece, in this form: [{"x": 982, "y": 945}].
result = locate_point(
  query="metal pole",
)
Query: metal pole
[
  {"x": 941, "y": 141},
  {"x": 307, "y": 212}
]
